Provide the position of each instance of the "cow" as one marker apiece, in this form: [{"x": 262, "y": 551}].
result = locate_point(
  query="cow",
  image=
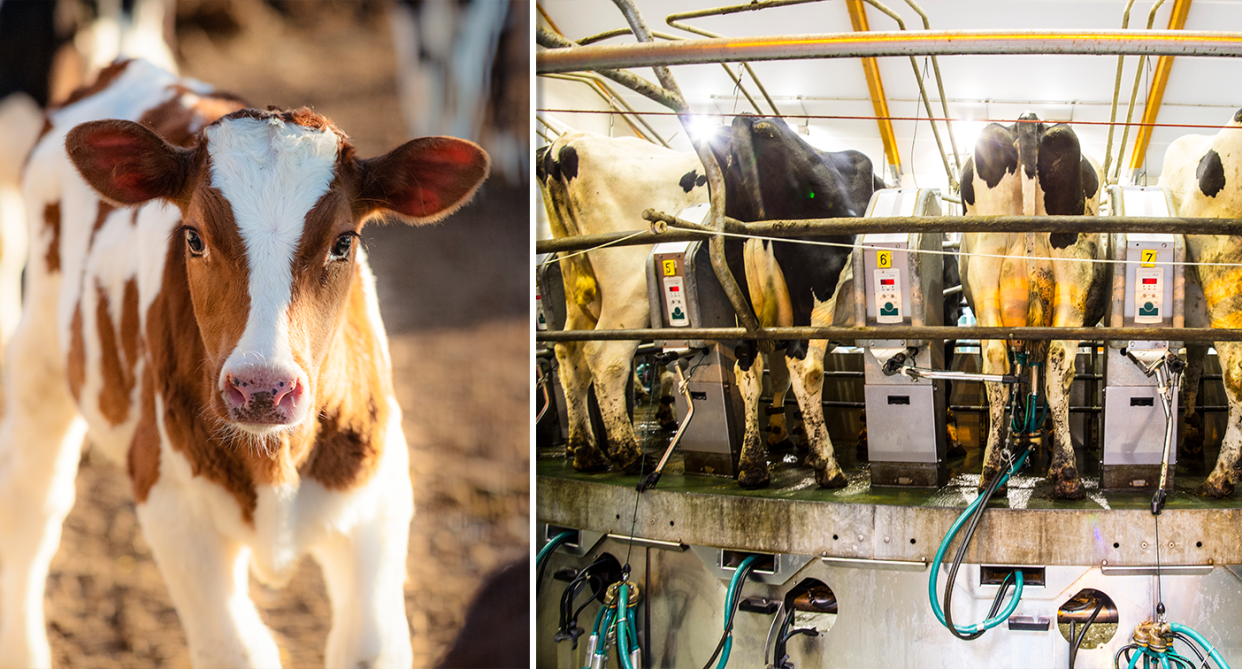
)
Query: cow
[
  {"x": 1203, "y": 176},
  {"x": 771, "y": 173},
  {"x": 197, "y": 305},
  {"x": 593, "y": 184},
  {"x": 1032, "y": 279}
]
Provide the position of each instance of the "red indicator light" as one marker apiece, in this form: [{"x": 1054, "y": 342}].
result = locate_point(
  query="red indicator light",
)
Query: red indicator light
[
  {"x": 1149, "y": 282},
  {"x": 887, "y": 282},
  {"x": 673, "y": 289}
]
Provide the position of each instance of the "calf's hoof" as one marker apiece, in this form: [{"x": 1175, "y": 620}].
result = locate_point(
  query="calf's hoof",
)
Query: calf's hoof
[
  {"x": 751, "y": 478},
  {"x": 830, "y": 478},
  {"x": 1216, "y": 487},
  {"x": 587, "y": 459}
]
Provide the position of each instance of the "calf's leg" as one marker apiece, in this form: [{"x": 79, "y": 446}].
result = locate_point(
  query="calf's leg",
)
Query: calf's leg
[
  {"x": 40, "y": 446},
  {"x": 207, "y": 573}
]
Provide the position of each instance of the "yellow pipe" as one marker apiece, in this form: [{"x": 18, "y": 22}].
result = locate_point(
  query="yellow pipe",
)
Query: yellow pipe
[
  {"x": 1155, "y": 96},
  {"x": 858, "y": 18}
]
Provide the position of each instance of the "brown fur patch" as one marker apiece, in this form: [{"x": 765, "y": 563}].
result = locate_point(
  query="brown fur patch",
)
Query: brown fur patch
[
  {"x": 178, "y": 123},
  {"x": 51, "y": 218},
  {"x": 105, "y": 79},
  {"x": 105, "y": 210},
  {"x": 143, "y": 461},
  {"x": 75, "y": 366},
  {"x": 118, "y": 376}
]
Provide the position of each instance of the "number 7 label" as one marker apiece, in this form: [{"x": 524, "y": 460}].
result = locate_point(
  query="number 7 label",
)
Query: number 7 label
[{"x": 1148, "y": 258}]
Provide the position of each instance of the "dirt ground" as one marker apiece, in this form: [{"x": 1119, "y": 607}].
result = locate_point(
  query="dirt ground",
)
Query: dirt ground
[{"x": 454, "y": 297}]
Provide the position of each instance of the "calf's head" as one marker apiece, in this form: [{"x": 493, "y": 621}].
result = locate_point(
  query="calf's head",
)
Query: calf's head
[{"x": 272, "y": 204}]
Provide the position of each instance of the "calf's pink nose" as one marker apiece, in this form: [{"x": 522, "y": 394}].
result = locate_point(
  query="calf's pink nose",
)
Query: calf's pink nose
[{"x": 283, "y": 387}]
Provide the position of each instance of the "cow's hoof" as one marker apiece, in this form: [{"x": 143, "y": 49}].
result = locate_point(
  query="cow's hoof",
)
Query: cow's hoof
[
  {"x": 669, "y": 425},
  {"x": 1068, "y": 489},
  {"x": 830, "y": 479},
  {"x": 754, "y": 477},
  {"x": 860, "y": 451},
  {"x": 630, "y": 465},
  {"x": 589, "y": 460},
  {"x": 986, "y": 478},
  {"x": 955, "y": 450},
  {"x": 1216, "y": 487}
]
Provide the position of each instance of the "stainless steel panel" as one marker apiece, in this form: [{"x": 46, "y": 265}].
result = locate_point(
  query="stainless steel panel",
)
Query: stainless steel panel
[
  {"x": 900, "y": 423},
  {"x": 712, "y": 441},
  {"x": 1134, "y": 435}
]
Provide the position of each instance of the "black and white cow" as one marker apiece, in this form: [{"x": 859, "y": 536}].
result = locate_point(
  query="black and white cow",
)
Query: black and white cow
[
  {"x": 593, "y": 184},
  {"x": 1033, "y": 279},
  {"x": 1203, "y": 176},
  {"x": 771, "y": 173}
]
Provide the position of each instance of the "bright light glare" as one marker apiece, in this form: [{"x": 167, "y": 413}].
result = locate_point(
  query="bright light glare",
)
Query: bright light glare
[
  {"x": 967, "y": 133},
  {"x": 702, "y": 127}
]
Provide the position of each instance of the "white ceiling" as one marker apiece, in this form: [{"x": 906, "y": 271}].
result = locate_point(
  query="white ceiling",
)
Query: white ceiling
[{"x": 1060, "y": 88}]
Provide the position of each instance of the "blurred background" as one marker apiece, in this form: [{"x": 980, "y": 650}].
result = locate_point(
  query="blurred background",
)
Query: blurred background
[{"x": 454, "y": 296}]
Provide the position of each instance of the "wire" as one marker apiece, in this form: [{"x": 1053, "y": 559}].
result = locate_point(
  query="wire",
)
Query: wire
[
  {"x": 732, "y": 599},
  {"x": 1099, "y": 606}
]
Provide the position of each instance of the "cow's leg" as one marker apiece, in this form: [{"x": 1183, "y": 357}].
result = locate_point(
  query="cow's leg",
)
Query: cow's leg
[
  {"x": 610, "y": 362},
  {"x": 1191, "y": 447},
  {"x": 995, "y": 361},
  {"x": 806, "y": 367},
  {"x": 575, "y": 376},
  {"x": 208, "y": 576},
  {"x": 752, "y": 466},
  {"x": 1060, "y": 375},
  {"x": 666, "y": 414},
  {"x": 778, "y": 435},
  {"x": 1222, "y": 479},
  {"x": 40, "y": 446}
]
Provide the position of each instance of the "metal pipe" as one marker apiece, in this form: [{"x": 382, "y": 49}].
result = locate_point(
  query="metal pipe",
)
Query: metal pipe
[
  {"x": 715, "y": 180},
  {"x": 1112, "y": 118},
  {"x": 892, "y": 43},
  {"x": 953, "y": 290},
  {"x": 633, "y": 82},
  {"x": 653, "y": 478},
  {"x": 1155, "y": 91},
  {"x": 827, "y": 227},
  {"x": 595, "y": 83},
  {"x": 918, "y": 78},
  {"x": 599, "y": 81},
  {"x": 1138, "y": 77},
  {"x": 944, "y": 102},
  {"x": 939, "y": 332}
]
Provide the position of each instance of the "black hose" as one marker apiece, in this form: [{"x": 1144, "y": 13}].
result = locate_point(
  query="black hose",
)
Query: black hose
[
  {"x": 567, "y": 627},
  {"x": 1193, "y": 646},
  {"x": 1117, "y": 657},
  {"x": 1024, "y": 444},
  {"x": 730, "y": 611},
  {"x": 778, "y": 652},
  {"x": 1077, "y": 642}
]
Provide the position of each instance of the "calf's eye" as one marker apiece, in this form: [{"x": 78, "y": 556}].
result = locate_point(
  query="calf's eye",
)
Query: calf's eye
[
  {"x": 340, "y": 250},
  {"x": 194, "y": 242}
]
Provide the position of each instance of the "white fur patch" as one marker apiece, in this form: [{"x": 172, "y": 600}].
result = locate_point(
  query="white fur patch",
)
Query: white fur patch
[{"x": 271, "y": 173}]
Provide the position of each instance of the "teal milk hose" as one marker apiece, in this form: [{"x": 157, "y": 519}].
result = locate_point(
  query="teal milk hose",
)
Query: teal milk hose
[
  {"x": 1212, "y": 652},
  {"x": 734, "y": 590}
]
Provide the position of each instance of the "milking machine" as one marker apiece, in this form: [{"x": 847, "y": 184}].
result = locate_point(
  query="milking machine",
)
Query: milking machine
[
  {"x": 549, "y": 315},
  {"x": 684, "y": 293},
  {"x": 1140, "y": 377},
  {"x": 906, "y": 413}
]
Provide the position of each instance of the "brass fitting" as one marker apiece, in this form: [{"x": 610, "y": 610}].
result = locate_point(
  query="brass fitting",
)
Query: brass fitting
[{"x": 633, "y": 597}]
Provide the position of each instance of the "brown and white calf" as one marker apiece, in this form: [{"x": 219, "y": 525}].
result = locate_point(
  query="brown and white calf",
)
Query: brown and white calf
[
  {"x": 211, "y": 321},
  {"x": 1033, "y": 279}
]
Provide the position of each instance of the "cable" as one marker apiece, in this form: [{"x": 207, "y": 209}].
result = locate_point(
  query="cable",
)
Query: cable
[
  {"x": 733, "y": 598},
  {"x": 542, "y": 557},
  {"x": 1077, "y": 642}
]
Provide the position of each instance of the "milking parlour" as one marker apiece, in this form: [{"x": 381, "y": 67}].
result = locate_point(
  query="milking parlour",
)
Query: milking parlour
[{"x": 879, "y": 334}]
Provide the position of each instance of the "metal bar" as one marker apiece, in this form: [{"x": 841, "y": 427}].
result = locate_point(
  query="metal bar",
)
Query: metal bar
[
  {"x": 715, "y": 179},
  {"x": 893, "y": 43},
  {"x": 1165, "y": 570},
  {"x": 648, "y": 543},
  {"x": 873, "y": 563},
  {"x": 1112, "y": 117},
  {"x": 940, "y": 332},
  {"x": 875, "y": 88},
  {"x": 1138, "y": 75},
  {"x": 944, "y": 101},
  {"x": 828, "y": 227},
  {"x": 595, "y": 83},
  {"x": 1155, "y": 96},
  {"x": 631, "y": 81}
]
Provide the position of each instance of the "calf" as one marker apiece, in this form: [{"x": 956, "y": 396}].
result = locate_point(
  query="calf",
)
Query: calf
[
  {"x": 1203, "y": 176},
  {"x": 771, "y": 173},
  {"x": 222, "y": 336},
  {"x": 1032, "y": 279},
  {"x": 593, "y": 184}
]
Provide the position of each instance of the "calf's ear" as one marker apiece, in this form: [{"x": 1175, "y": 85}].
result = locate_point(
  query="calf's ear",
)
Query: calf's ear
[
  {"x": 127, "y": 163},
  {"x": 423, "y": 180}
]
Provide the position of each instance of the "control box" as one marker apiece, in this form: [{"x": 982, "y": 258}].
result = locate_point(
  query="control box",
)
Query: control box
[
  {"x": 902, "y": 284},
  {"x": 550, "y": 310},
  {"x": 683, "y": 292},
  {"x": 1148, "y": 290}
]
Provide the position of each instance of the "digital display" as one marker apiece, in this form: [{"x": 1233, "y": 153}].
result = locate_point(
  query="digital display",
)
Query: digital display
[
  {"x": 887, "y": 282},
  {"x": 673, "y": 289},
  {"x": 1149, "y": 282}
]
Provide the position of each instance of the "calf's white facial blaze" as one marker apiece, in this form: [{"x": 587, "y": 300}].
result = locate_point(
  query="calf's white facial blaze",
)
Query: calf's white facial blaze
[{"x": 272, "y": 173}]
